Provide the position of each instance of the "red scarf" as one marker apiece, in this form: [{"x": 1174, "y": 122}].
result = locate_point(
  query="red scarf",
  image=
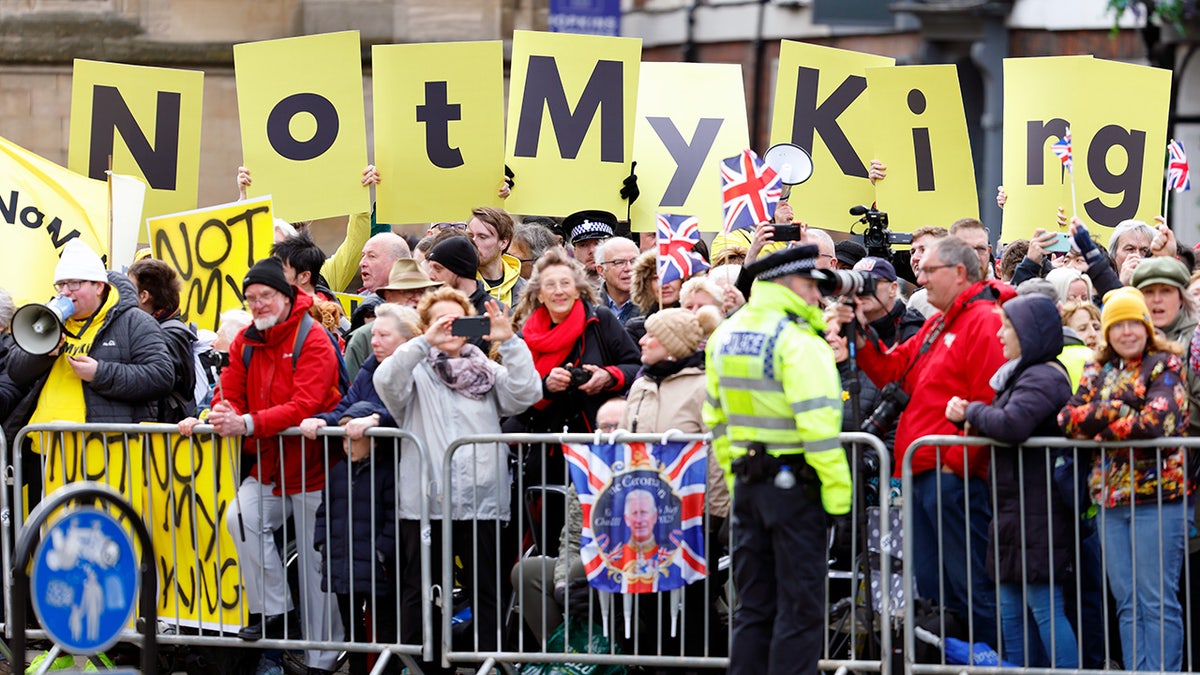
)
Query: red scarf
[{"x": 551, "y": 344}]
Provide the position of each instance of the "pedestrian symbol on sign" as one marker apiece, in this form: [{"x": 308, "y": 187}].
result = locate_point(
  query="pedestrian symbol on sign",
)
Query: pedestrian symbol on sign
[{"x": 85, "y": 579}]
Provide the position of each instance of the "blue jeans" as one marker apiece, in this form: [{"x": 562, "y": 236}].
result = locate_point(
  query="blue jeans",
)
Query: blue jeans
[
  {"x": 939, "y": 494},
  {"x": 1049, "y": 627},
  {"x": 1144, "y": 547}
]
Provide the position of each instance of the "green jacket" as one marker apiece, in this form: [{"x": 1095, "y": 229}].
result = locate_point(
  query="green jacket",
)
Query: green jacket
[{"x": 771, "y": 378}]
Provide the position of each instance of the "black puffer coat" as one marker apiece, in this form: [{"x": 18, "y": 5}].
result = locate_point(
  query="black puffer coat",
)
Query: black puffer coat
[
  {"x": 134, "y": 369},
  {"x": 1029, "y": 395},
  {"x": 356, "y": 494}
]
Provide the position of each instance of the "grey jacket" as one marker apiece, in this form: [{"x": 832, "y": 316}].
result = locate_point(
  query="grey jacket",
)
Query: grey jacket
[
  {"x": 134, "y": 367},
  {"x": 437, "y": 415}
]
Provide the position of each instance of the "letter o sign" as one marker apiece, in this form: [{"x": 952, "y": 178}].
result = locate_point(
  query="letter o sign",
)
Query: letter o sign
[{"x": 279, "y": 132}]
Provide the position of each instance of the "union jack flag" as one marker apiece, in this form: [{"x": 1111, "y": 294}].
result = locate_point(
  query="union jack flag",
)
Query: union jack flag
[
  {"x": 643, "y": 513},
  {"x": 677, "y": 236},
  {"x": 1062, "y": 150},
  {"x": 750, "y": 190},
  {"x": 1177, "y": 167}
]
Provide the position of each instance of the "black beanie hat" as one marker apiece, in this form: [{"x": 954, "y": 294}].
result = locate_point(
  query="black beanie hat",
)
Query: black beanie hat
[
  {"x": 269, "y": 272},
  {"x": 458, "y": 255}
]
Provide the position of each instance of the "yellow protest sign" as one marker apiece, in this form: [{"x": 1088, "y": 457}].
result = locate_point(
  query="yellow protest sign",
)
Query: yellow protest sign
[
  {"x": 304, "y": 130},
  {"x": 690, "y": 116},
  {"x": 190, "y": 485},
  {"x": 571, "y": 106},
  {"x": 921, "y": 134},
  {"x": 820, "y": 105},
  {"x": 212, "y": 249},
  {"x": 439, "y": 129},
  {"x": 147, "y": 120},
  {"x": 42, "y": 207},
  {"x": 1118, "y": 142},
  {"x": 349, "y": 302}
]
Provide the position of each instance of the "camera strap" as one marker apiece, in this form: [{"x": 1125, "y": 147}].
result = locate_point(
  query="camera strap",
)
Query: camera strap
[{"x": 926, "y": 345}]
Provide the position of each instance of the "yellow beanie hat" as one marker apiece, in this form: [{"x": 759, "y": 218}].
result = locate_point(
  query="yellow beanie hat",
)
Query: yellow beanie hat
[{"x": 1124, "y": 304}]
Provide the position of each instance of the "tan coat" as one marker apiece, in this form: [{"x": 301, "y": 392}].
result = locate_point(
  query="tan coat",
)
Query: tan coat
[{"x": 674, "y": 403}]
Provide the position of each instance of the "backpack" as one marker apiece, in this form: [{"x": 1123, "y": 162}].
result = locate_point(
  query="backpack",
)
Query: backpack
[
  {"x": 181, "y": 402},
  {"x": 306, "y": 324}
]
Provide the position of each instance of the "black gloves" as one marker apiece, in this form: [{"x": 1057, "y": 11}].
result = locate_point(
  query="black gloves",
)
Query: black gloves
[{"x": 629, "y": 187}]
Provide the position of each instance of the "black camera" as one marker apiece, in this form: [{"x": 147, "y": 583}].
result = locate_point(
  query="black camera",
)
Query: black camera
[
  {"x": 892, "y": 401},
  {"x": 579, "y": 376},
  {"x": 878, "y": 238},
  {"x": 837, "y": 283}
]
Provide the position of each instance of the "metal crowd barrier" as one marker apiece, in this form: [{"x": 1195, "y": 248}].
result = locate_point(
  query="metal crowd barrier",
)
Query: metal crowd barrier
[
  {"x": 185, "y": 489},
  {"x": 514, "y": 617},
  {"x": 1066, "y": 619}
]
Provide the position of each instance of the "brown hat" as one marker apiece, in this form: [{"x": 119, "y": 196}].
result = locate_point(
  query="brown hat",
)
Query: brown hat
[
  {"x": 406, "y": 275},
  {"x": 677, "y": 329}
]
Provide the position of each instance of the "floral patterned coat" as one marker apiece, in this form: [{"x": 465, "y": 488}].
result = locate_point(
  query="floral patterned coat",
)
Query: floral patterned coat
[{"x": 1136, "y": 399}]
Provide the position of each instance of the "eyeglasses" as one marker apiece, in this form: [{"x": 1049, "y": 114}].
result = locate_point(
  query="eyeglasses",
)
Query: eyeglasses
[
  {"x": 252, "y": 300},
  {"x": 826, "y": 255},
  {"x": 620, "y": 262},
  {"x": 69, "y": 285},
  {"x": 930, "y": 269},
  {"x": 608, "y": 426},
  {"x": 452, "y": 226},
  {"x": 555, "y": 285}
]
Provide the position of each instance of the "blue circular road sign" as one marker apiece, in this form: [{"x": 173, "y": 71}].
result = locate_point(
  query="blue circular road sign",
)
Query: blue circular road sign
[{"x": 85, "y": 581}]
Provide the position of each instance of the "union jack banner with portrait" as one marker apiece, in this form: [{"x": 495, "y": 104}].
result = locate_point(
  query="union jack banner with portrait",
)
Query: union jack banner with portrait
[{"x": 643, "y": 513}]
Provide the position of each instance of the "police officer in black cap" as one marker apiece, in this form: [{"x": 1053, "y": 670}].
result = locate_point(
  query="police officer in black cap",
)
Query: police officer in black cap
[{"x": 585, "y": 230}]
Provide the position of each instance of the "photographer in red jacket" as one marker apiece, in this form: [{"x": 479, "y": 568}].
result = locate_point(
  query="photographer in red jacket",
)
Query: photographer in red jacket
[{"x": 955, "y": 353}]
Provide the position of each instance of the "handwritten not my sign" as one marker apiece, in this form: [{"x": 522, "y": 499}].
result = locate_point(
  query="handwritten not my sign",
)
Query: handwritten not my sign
[{"x": 212, "y": 249}]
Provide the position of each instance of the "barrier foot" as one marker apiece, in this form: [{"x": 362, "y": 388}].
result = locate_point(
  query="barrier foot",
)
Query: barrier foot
[
  {"x": 381, "y": 662},
  {"x": 487, "y": 666},
  {"x": 411, "y": 664},
  {"x": 55, "y": 652}
]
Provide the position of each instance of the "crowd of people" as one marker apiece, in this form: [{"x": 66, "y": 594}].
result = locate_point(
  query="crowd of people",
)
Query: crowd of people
[{"x": 491, "y": 326}]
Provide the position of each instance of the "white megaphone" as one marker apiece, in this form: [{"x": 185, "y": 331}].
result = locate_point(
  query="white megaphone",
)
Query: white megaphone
[
  {"x": 791, "y": 162},
  {"x": 38, "y": 329}
]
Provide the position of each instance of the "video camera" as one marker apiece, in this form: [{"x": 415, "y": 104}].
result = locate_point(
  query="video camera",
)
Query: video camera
[{"x": 878, "y": 238}]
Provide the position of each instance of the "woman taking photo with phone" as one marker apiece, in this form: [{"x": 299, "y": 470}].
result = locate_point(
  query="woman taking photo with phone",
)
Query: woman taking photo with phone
[{"x": 441, "y": 388}]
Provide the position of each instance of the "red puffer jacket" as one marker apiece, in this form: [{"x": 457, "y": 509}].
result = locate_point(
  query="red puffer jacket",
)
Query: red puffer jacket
[
  {"x": 278, "y": 397},
  {"x": 960, "y": 362}
]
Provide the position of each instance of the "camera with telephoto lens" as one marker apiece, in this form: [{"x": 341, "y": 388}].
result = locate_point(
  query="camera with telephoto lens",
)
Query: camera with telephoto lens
[
  {"x": 878, "y": 238},
  {"x": 892, "y": 401},
  {"x": 579, "y": 376},
  {"x": 837, "y": 283}
]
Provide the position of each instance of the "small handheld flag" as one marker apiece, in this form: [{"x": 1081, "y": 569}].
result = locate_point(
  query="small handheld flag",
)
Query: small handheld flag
[
  {"x": 749, "y": 189},
  {"x": 1177, "y": 167},
  {"x": 677, "y": 236},
  {"x": 1062, "y": 150}
]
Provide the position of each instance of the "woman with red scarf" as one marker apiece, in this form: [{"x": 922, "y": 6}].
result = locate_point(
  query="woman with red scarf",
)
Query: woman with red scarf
[{"x": 581, "y": 351}]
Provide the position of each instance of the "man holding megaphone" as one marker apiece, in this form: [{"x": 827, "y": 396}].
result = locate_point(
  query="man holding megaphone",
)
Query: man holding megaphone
[{"x": 89, "y": 355}]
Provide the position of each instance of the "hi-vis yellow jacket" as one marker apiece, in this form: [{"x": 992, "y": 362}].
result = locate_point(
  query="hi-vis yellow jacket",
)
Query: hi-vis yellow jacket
[{"x": 772, "y": 378}]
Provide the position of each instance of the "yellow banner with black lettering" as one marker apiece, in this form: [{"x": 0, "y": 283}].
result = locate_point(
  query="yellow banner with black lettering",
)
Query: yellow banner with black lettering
[
  {"x": 690, "y": 116},
  {"x": 439, "y": 129},
  {"x": 42, "y": 207},
  {"x": 820, "y": 105},
  {"x": 191, "y": 483},
  {"x": 921, "y": 135},
  {"x": 148, "y": 121},
  {"x": 1118, "y": 143},
  {"x": 184, "y": 488},
  {"x": 304, "y": 130},
  {"x": 571, "y": 106},
  {"x": 212, "y": 249}
]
